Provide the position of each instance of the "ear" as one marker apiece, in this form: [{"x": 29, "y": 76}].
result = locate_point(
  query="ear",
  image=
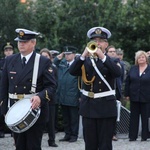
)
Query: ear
[
  {"x": 34, "y": 42},
  {"x": 106, "y": 44}
]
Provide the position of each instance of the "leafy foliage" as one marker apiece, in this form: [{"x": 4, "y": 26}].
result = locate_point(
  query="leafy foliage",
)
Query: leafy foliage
[{"x": 66, "y": 22}]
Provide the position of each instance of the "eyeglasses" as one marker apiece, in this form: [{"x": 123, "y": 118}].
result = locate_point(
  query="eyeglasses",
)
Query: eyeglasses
[{"x": 111, "y": 51}]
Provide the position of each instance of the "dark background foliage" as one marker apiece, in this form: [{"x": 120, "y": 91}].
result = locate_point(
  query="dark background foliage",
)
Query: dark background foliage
[{"x": 66, "y": 22}]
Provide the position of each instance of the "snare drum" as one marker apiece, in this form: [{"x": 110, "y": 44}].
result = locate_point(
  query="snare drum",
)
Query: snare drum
[{"x": 20, "y": 117}]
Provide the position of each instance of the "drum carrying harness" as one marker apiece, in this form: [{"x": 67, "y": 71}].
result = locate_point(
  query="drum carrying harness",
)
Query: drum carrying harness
[{"x": 34, "y": 81}]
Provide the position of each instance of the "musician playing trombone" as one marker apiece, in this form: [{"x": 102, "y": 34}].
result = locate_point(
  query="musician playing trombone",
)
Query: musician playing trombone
[{"x": 98, "y": 102}]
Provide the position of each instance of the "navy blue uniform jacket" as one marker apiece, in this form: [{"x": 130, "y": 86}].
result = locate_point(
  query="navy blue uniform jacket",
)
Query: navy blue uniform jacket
[
  {"x": 98, "y": 107},
  {"x": 16, "y": 79},
  {"x": 138, "y": 87}
]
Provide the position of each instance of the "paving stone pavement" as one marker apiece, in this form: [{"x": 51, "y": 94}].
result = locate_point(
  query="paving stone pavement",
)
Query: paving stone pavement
[{"x": 122, "y": 144}]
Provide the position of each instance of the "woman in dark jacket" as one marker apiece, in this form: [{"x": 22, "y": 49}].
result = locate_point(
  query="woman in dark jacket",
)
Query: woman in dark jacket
[
  {"x": 51, "y": 120},
  {"x": 137, "y": 89}
]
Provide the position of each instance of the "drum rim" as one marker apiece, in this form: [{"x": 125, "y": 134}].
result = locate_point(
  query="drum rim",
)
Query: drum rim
[
  {"x": 13, "y": 107},
  {"x": 30, "y": 111},
  {"x": 29, "y": 125}
]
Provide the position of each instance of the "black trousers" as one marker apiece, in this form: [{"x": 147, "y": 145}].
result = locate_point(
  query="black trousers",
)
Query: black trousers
[
  {"x": 2, "y": 123},
  {"x": 56, "y": 117},
  {"x": 98, "y": 133},
  {"x": 71, "y": 121},
  {"x": 30, "y": 139},
  {"x": 137, "y": 109},
  {"x": 51, "y": 124}
]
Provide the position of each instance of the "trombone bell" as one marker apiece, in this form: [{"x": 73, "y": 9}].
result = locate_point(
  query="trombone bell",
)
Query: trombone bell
[{"x": 92, "y": 47}]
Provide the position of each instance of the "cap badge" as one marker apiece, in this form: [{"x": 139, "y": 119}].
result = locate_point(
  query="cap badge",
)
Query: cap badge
[
  {"x": 98, "y": 31},
  {"x": 21, "y": 33},
  {"x": 8, "y": 44}
]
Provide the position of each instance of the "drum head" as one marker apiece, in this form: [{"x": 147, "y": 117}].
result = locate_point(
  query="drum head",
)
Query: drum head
[{"x": 17, "y": 111}]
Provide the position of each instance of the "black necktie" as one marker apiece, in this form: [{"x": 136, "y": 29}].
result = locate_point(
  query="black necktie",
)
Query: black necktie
[
  {"x": 23, "y": 62},
  {"x": 68, "y": 65}
]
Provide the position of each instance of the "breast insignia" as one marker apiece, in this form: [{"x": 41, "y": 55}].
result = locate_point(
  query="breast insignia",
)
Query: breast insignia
[{"x": 50, "y": 69}]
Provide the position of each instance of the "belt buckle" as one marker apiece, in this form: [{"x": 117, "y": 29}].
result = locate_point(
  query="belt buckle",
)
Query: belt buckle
[
  {"x": 20, "y": 96},
  {"x": 91, "y": 94}
]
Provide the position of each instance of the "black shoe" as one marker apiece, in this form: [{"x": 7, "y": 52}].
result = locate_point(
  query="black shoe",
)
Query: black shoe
[
  {"x": 52, "y": 144},
  {"x": 64, "y": 139},
  {"x": 132, "y": 140},
  {"x": 73, "y": 140},
  {"x": 143, "y": 139},
  {"x": 2, "y": 135}
]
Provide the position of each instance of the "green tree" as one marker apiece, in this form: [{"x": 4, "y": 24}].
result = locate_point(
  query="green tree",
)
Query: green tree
[
  {"x": 8, "y": 20},
  {"x": 67, "y": 22},
  {"x": 132, "y": 27},
  {"x": 47, "y": 23},
  {"x": 13, "y": 15},
  {"x": 25, "y": 15}
]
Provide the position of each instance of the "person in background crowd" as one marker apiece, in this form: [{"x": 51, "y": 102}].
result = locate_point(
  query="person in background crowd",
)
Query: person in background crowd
[
  {"x": 98, "y": 102},
  {"x": 127, "y": 66},
  {"x": 51, "y": 122},
  {"x": 16, "y": 83},
  {"x": 137, "y": 89},
  {"x": 68, "y": 94},
  {"x": 8, "y": 49},
  {"x": 54, "y": 53},
  {"x": 111, "y": 52},
  {"x": 148, "y": 53}
]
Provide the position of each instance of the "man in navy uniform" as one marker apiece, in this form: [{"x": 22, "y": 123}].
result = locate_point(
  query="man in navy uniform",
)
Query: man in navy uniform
[
  {"x": 17, "y": 82},
  {"x": 98, "y": 103},
  {"x": 8, "y": 49}
]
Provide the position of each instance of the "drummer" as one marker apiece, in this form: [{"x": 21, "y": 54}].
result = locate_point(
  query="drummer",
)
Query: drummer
[{"x": 17, "y": 80}]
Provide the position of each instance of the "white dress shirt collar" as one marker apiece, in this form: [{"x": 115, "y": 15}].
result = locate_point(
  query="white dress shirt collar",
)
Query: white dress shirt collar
[{"x": 27, "y": 57}]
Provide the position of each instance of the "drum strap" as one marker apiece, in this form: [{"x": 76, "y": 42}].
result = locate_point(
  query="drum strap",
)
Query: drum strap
[{"x": 35, "y": 73}]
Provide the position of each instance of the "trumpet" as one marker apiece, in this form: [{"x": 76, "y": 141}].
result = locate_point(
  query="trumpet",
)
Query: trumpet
[{"x": 92, "y": 47}]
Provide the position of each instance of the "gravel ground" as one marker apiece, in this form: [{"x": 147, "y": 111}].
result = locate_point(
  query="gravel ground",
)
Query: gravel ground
[{"x": 122, "y": 144}]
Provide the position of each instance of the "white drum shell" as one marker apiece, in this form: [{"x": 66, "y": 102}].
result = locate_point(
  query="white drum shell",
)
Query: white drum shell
[{"x": 20, "y": 117}]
